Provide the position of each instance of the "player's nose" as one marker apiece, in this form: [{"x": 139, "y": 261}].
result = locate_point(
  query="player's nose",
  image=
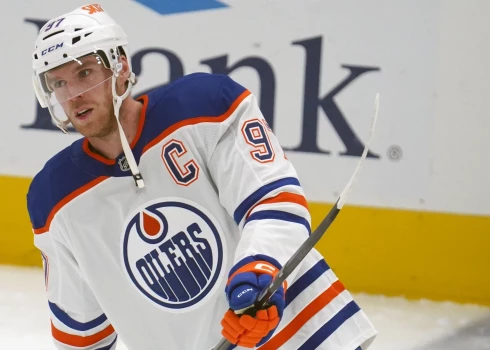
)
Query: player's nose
[
  {"x": 76, "y": 95},
  {"x": 74, "y": 91}
]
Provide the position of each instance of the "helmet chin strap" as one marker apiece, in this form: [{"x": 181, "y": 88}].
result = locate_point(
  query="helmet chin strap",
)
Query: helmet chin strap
[
  {"x": 61, "y": 124},
  {"x": 117, "y": 100}
]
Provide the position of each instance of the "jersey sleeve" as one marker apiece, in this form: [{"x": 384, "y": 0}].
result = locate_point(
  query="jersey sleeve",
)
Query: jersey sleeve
[
  {"x": 257, "y": 184},
  {"x": 77, "y": 320}
]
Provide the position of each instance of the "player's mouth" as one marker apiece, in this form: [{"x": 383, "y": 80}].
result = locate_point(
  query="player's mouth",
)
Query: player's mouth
[{"x": 83, "y": 113}]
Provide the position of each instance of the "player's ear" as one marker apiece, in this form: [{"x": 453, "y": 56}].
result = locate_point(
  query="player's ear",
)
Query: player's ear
[{"x": 122, "y": 79}]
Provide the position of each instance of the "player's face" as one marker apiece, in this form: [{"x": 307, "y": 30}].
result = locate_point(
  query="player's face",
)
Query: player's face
[{"x": 84, "y": 92}]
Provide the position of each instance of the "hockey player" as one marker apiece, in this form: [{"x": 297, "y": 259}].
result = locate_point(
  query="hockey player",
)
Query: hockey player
[{"x": 172, "y": 212}]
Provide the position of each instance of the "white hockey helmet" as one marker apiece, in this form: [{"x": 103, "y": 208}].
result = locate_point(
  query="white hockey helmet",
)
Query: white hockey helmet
[{"x": 86, "y": 30}]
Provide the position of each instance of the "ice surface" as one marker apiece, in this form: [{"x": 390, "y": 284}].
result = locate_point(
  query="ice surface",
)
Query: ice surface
[{"x": 402, "y": 324}]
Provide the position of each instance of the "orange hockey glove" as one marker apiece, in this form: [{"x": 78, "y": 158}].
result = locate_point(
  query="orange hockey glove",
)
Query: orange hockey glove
[{"x": 247, "y": 331}]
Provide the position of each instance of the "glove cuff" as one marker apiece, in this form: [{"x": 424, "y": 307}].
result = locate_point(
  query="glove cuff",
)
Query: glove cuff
[{"x": 258, "y": 268}]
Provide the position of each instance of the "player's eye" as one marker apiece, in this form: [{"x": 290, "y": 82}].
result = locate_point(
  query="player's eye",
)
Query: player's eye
[
  {"x": 58, "y": 84},
  {"x": 84, "y": 73}
]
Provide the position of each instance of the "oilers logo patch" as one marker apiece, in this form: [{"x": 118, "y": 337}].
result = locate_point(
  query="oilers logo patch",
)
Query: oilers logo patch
[{"x": 173, "y": 253}]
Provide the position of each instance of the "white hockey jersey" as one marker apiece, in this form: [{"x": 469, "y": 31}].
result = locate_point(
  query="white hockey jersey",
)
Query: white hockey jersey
[{"x": 151, "y": 264}]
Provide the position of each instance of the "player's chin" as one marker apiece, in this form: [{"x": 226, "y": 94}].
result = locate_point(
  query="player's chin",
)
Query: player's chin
[
  {"x": 85, "y": 125},
  {"x": 82, "y": 128},
  {"x": 86, "y": 129},
  {"x": 85, "y": 132},
  {"x": 95, "y": 130}
]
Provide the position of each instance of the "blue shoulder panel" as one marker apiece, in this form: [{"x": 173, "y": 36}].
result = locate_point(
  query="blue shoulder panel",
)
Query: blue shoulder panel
[
  {"x": 195, "y": 95},
  {"x": 59, "y": 178}
]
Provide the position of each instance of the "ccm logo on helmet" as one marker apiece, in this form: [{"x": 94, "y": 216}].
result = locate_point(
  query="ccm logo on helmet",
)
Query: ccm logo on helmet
[
  {"x": 94, "y": 8},
  {"x": 52, "y": 48}
]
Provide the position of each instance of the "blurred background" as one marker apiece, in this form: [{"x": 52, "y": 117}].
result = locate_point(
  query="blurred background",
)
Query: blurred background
[{"x": 413, "y": 242}]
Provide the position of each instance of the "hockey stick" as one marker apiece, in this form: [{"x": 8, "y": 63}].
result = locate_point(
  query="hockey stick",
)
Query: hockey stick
[{"x": 311, "y": 241}]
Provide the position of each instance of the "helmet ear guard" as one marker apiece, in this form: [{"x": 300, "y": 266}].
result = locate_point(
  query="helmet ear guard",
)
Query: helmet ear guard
[{"x": 41, "y": 97}]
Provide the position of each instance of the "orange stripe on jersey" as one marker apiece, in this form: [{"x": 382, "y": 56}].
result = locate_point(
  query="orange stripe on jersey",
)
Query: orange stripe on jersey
[
  {"x": 311, "y": 310},
  {"x": 283, "y": 197},
  {"x": 94, "y": 155},
  {"x": 197, "y": 120},
  {"x": 141, "y": 123},
  {"x": 67, "y": 199},
  {"x": 79, "y": 341}
]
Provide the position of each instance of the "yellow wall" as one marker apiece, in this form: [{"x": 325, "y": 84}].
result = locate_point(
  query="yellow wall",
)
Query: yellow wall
[
  {"x": 16, "y": 237},
  {"x": 416, "y": 254},
  {"x": 383, "y": 251}
]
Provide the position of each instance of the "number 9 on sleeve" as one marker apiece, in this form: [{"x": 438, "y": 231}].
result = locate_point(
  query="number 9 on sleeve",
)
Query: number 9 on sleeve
[{"x": 255, "y": 133}]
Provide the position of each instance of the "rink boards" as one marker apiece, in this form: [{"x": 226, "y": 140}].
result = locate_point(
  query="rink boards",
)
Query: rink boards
[{"x": 382, "y": 251}]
